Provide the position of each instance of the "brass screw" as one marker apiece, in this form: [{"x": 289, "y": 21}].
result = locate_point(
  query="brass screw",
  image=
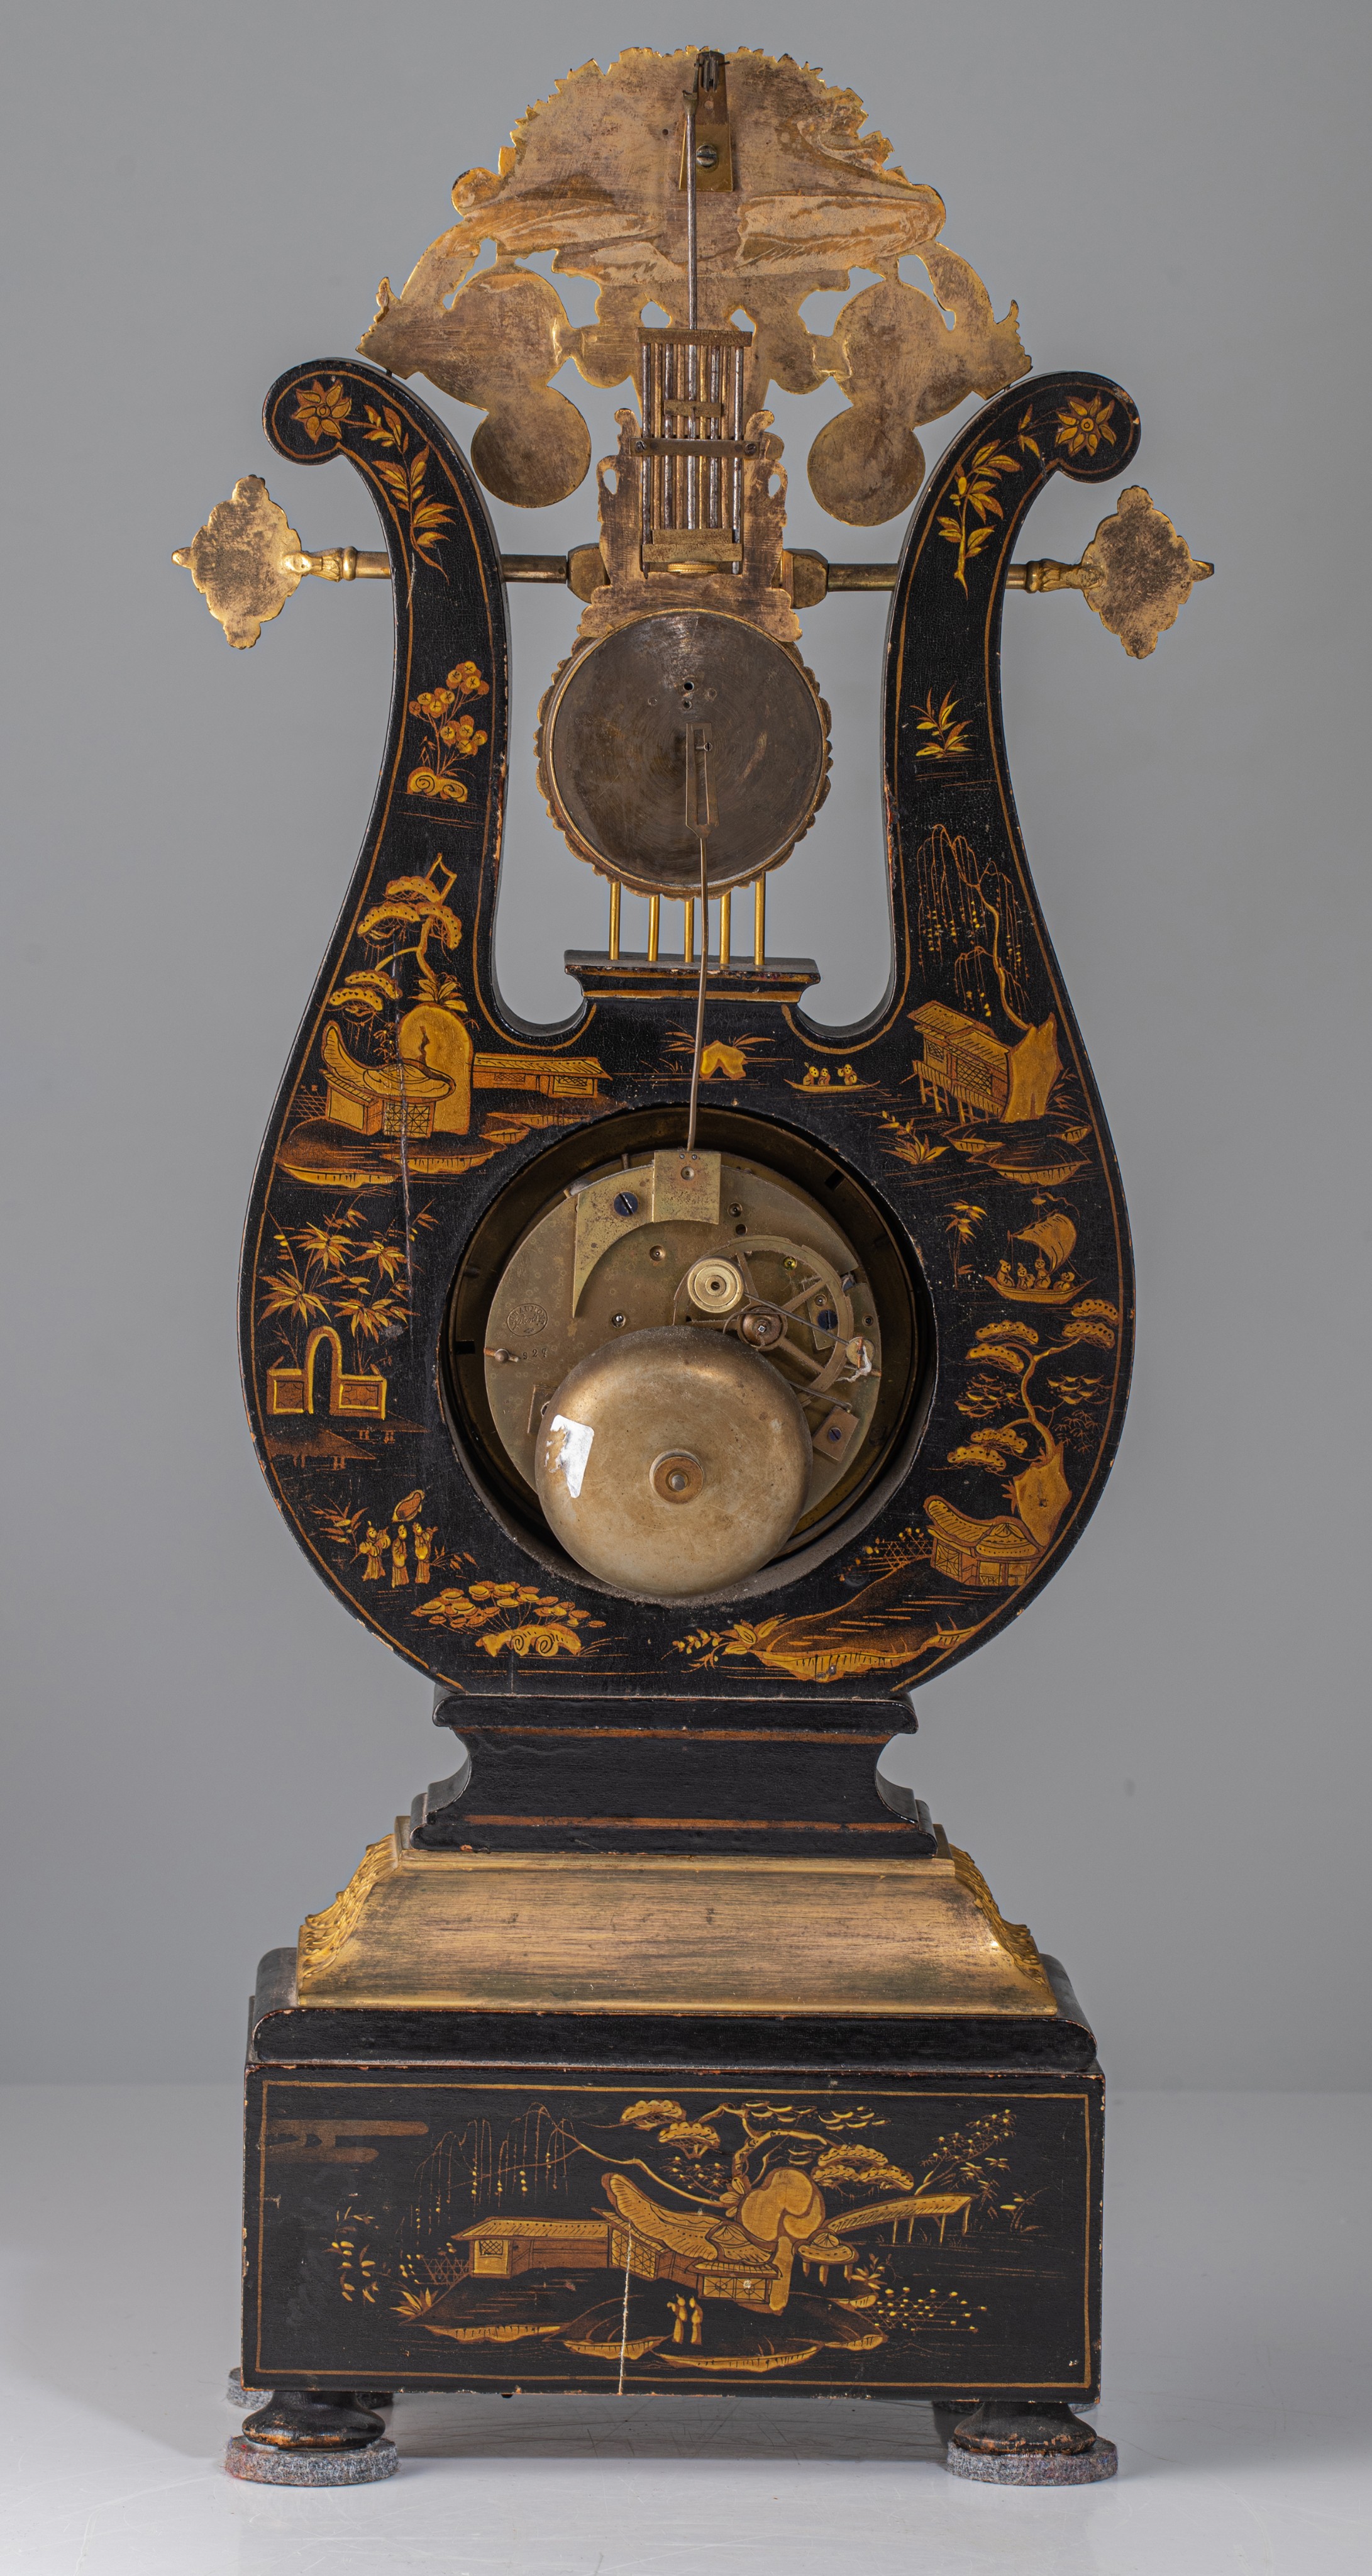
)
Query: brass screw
[
  {"x": 707, "y": 158},
  {"x": 658, "y": 1253},
  {"x": 676, "y": 1477}
]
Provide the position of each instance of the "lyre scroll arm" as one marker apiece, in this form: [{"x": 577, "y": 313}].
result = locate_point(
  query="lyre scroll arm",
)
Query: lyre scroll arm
[
  {"x": 945, "y": 744},
  {"x": 449, "y": 616}
]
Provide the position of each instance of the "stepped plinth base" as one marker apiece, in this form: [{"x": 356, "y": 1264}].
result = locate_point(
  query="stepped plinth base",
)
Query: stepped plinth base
[{"x": 718, "y": 1933}]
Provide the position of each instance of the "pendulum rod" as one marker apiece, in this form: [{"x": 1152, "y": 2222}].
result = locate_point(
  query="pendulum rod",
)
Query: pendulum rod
[
  {"x": 699, "y": 1048},
  {"x": 692, "y": 316},
  {"x": 700, "y": 814},
  {"x": 692, "y": 307},
  {"x": 700, "y": 819}
]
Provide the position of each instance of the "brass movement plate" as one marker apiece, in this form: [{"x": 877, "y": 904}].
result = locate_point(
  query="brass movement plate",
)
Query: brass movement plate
[
  {"x": 613, "y": 1258},
  {"x": 674, "y": 1933}
]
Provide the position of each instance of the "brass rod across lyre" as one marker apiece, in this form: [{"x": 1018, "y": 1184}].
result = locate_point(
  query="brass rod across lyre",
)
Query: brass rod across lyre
[
  {"x": 1137, "y": 572},
  {"x": 337, "y": 563},
  {"x": 352, "y": 563}
]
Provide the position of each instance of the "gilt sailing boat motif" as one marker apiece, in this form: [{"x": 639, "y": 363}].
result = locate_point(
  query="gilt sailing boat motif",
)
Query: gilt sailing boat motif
[{"x": 1045, "y": 1279}]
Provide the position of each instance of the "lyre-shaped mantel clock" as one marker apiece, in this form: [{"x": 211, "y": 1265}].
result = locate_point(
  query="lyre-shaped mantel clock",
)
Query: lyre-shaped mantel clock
[{"x": 681, "y": 1386}]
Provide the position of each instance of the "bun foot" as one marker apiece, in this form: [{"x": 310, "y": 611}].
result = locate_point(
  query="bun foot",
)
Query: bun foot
[
  {"x": 309, "y": 2437},
  {"x": 1015, "y": 2443},
  {"x": 266, "y": 2465}
]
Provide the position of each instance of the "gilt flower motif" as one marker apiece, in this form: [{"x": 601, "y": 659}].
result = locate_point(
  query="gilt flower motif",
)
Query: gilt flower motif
[
  {"x": 1084, "y": 424},
  {"x": 322, "y": 409},
  {"x": 462, "y": 734}
]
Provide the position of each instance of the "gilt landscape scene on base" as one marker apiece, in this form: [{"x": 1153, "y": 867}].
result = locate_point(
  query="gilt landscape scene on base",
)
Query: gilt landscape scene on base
[{"x": 685, "y": 2236}]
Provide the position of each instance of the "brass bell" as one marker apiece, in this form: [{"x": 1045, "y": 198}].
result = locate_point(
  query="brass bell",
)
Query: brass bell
[{"x": 673, "y": 1462}]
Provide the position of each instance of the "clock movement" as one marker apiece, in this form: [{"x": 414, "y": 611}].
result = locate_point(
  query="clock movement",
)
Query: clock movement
[{"x": 681, "y": 1386}]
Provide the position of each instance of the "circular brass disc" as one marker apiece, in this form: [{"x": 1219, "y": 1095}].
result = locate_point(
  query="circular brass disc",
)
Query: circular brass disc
[
  {"x": 676, "y": 1476},
  {"x": 613, "y": 750},
  {"x": 676, "y": 1402},
  {"x": 714, "y": 1285}
]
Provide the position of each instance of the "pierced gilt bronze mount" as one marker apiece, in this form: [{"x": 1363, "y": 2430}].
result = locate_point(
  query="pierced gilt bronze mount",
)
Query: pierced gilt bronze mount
[{"x": 679, "y": 1387}]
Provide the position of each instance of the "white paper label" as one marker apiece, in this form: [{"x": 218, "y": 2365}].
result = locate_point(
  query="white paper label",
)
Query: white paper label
[{"x": 570, "y": 1459}]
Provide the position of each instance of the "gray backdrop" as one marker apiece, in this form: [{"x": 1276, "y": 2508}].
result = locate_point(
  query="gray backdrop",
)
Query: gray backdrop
[{"x": 1162, "y": 1769}]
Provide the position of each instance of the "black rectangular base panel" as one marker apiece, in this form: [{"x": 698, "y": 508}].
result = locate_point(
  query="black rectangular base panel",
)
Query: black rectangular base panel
[{"x": 930, "y": 2231}]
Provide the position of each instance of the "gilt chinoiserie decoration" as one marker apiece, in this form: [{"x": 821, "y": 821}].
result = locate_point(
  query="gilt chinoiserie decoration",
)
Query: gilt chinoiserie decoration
[
  {"x": 960, "y": 1126},
  {"x": 681, "y": 1386},
  {"x": 689, "y": 2237}
]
